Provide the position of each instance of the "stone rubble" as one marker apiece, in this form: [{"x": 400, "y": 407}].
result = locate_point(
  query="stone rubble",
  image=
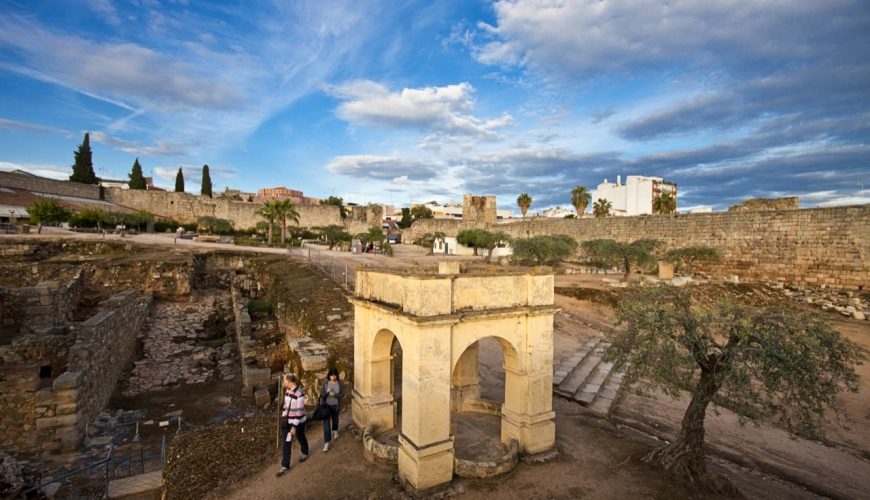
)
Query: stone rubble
[{"x": 170, "y": 354}]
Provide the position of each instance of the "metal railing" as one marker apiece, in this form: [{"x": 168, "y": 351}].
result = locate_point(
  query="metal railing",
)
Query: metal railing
[
  {"x": 338, "y": 271},
  {"x": 104, "y": 462}
]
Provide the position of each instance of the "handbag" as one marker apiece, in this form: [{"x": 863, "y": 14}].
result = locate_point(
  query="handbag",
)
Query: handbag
[{"x": 321, "y": 412}]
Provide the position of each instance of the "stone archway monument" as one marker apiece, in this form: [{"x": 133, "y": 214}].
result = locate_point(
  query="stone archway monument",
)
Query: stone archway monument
[{"x": 438, "y": 320}]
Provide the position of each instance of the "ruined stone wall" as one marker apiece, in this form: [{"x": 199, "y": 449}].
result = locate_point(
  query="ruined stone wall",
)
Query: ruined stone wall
[
  {"x": 479, "y": 209},
  {"x": 48, "y": 304},
  {"x": 54, "y": 418},
  {"x": 18, "y": 386},
  {"x": 187, "y": 208},
  {"x": 758, "y": 204},
  {"x": 49, "y": 186},
  {"x": 104, "y": 346},
  {"x": 171, "y": 279},
  {"x": 818, "y": 246}
]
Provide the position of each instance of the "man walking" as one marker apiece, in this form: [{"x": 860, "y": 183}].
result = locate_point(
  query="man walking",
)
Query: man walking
[{"x": 292, "y": 422}]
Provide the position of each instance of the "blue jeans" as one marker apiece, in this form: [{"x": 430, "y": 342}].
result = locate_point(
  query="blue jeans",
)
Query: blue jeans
[{"x": 333, "y": 418}]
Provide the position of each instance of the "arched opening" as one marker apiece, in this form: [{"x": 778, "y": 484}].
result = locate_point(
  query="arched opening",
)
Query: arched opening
[
  {"x": 478, "y": 391},
  {"x": 386, "y": 379}
]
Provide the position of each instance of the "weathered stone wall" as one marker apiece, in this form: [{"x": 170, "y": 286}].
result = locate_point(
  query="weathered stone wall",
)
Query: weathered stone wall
[
  {"x": 479, "y": 209},
  {"x": 187, "y": 208},
  {"x": 49, "y": 186},
  {"x": 54, "y": 418},
  {"x": 171, "y": 279},
  {"x": 818, "y": 246},
  {"x": 48, "y": 304},
  {"x": 758, "y": 204},
  {"x": 18, "y": 386},
  {"x": 104, "y": 346}
]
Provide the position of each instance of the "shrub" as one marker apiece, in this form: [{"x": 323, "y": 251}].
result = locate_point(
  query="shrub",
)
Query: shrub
[
  {"x": 90, "y": 217},
  {"x": 214, "y": 225},
  {"x": 163, "y": 226},
  {"x": 549, "y": 250}
]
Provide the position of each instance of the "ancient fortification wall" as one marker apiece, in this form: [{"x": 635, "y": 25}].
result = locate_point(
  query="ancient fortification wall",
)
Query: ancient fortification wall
[
  {"x": 829, "y": 246},
  {"x": 186, "y": 208},
  {"x": 49, "y": 186}
]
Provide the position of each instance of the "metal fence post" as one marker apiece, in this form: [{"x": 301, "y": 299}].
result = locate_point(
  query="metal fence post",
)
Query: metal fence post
[{"x": 345, "y": 276}]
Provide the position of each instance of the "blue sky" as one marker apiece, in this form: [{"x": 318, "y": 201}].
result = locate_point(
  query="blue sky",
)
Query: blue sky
[{"x": 411, "y": 101}]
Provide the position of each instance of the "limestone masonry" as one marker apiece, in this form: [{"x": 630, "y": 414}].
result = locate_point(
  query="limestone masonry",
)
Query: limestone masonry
[{"x": 817, "y": 246}]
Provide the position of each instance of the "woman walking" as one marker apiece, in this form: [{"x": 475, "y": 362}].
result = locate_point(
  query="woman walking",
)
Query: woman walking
[
  {"x": 332, "y": 392},
  {"x": 292, "y": 422}
]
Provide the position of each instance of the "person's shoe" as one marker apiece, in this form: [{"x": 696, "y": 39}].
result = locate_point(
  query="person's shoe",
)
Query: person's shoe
[
  {"x": 303, "y": 458},
  {"x": 326, "y": 446},
  {"x": 334, "y": 434},
  {"x": 282, "y": 471}
]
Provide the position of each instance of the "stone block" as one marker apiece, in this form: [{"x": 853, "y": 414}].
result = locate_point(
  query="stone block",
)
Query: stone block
[
  {"x": 71, "y": 440},
  {"x": 65, "y": 409},
  {"x": 55, "y": 422},
  {"x": 259, "y": 378},
  {"x": 313, "y": 362},
  {"x": 65, "y": 396},
  {"x": 67, "y": 380},
  {"x": 262, "y": 397}
]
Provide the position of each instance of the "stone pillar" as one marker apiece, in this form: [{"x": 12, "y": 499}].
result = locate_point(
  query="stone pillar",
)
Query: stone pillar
[
  {"x": 465, "y": 386},
  {"x": 373, "y": 401},
  {"x": 527, "y": 413},
  {"x": 425, "y": 444}
]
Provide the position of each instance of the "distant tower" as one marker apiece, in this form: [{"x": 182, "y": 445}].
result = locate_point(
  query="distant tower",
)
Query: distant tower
[{"x": 479, "y": 209}]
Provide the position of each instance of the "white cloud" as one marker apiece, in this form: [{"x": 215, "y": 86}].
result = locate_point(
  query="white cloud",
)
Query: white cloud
[
  {"x": 42, "y": 170},
  {"x": 383, "y": 167},
  {"x": 575, "y": 37},
  {"x": 447, "y": 110},
  {"x": 160, "y": 148}
]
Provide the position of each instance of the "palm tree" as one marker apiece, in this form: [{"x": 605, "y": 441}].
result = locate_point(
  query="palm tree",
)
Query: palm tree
[
  {"x": 601, "y": 208},
  {"x": 285, "y": 210},
  {"x": 580, "y": 198},
  {"x": 664, "y": 203},
  {"x": 269, "y": 212},
  {"x": 524, "y": 201}
]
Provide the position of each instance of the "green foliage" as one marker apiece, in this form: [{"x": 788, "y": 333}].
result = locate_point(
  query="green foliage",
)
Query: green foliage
[
  {"x": 270, "y": 211},
  {"x": 613, "y": 253},
  {"x": 283, "y": 210},
  {"x": 260, "y": 306},
  {"x": 98, "y": 218},
  {"x": 428, "y": 240},
  {"x": 421, "y": 212},
  {"x": 376, "y": 235},
  {"x": 664, "y": 204},
  {"x": 163, "y": 226},
  {"x": 179, "y": 181},
  {"x": 407, "y": 220},
  {"x": 138, "y": 219},
  {"x": 137, "y": 180},
  {"x": 474, "y": 238},
  {"x": 688, "y": 256},
  {"x": 538, "y": 250},
  {"x": 205, "y": 188},
  {"x": 83, "y": 168},
  {"x": 602, "y": 208},
  {"x": 334, "y": 235},
  {"x": 337, "y": 201},
  {"x": 47, "y": 211},
  {"x": 772, "y": 362},
  {"x": 388, "y": 249},
  {"x": 214, "y": 225},
  {"x": 580, "y": 197},
  {"x": 524, "y": 201}
]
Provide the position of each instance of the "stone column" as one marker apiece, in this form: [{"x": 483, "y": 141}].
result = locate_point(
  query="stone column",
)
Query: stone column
[
  {"x": 527, "y": 414},
  {"x": 373, "y": 402},
  {"x": 425, "y": 443},
  {"x": 465, "y": 386}
]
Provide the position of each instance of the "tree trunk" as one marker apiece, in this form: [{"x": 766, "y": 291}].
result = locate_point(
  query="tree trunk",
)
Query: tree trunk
[
  {"x": 271, "y": 224},
  {"x": 283, "y": 230},
  {"x": 685, "y": 456}
]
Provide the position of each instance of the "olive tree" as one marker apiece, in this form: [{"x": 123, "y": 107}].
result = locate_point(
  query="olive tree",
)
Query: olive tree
[
  {"x": 334, "y": 235},
  {"x": 549, "y": 250},
  {"x": 614, "y": 253},
  {"x": 771, "y": 362}
]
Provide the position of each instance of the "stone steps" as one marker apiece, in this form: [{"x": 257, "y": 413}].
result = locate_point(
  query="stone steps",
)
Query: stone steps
[{"x": 587, "y": 379}]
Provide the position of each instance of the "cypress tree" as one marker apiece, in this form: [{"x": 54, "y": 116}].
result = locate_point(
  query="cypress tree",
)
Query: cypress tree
[
  {"x": 137, "y": 181},
  {"x": 83, "y": 168},
  {"x": 179, "y": 181},
  {"x": 206, "y": 182}
]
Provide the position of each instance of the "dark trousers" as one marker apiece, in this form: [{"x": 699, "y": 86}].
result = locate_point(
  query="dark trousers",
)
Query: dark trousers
[
  {"x": 300, "y": 436},
  {"x": 333, "y": 419}
]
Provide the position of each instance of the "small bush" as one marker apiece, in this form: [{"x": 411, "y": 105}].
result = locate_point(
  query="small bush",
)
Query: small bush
[
  {"x": 163, "y": 226},
  {"x": 260, "y": 306},
  {"x": 215, "y": 225}
]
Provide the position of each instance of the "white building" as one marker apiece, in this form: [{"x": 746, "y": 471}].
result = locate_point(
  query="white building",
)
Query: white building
[
  {"x": 558, "y": 212},
  {"x": 453, "y": 210},
  {"x": 635, "y": 197}
]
